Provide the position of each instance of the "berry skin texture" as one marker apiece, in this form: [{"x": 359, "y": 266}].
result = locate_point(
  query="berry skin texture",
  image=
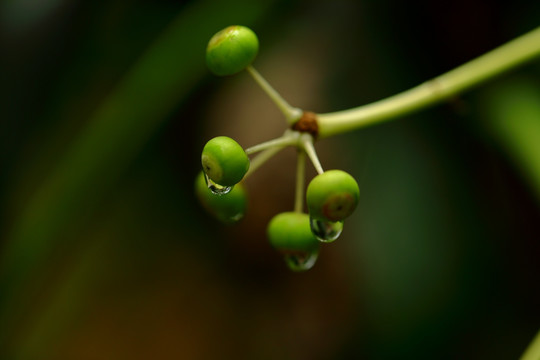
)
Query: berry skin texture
[
  {"x": 231, "y": 50},
  {"x": 290, "y": 233},
  {"x": 332, "y": 195},
  {"x": 224, "y": 161},
  {"x": 228, "y": 208}
]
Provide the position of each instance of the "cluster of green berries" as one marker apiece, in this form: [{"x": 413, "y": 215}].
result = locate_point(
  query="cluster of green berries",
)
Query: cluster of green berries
[{"x": 331, "y": 196}]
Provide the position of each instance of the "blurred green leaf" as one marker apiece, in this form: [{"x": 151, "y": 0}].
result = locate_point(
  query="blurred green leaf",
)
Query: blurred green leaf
[
  {"x": 113, "y": 137},
  {"x": 123, "y": 123},
  {"x": 512, "y": 112}
]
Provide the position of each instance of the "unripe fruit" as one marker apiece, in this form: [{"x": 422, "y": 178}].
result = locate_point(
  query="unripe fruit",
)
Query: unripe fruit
[
  {"x": 224, "y": 161},
  {"x": 332, "y": 195},
  {"x": 289, "y": 233},
  {"x": 231, "y": 50},
  {"x": 228, "y": 208}
]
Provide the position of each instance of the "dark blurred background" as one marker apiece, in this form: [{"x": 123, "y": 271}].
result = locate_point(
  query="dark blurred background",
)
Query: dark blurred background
[{"x": 106, "y": 253}]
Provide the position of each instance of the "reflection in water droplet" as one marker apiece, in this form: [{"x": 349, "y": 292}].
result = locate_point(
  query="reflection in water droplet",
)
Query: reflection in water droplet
[
  {"x": 216, "y": 188},
  {"x": 301, "y": 261},
  {"x": 326, "y": 231},
  {"x": 236, "y": 217}
]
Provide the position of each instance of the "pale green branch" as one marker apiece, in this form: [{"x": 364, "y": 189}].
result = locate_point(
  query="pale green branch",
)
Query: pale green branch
[
  {"x": 261, "y": 158},
  {"x": 307, "y": 143},
  {"x": 289, "y": 138},
  {"x": 291, "y": 113},
  {"x": 300, "y": 181},
  {"x": 464, "y": 77}
]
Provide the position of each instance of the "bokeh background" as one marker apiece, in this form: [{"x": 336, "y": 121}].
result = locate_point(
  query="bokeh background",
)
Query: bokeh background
[{"x": 106, "y": 253}]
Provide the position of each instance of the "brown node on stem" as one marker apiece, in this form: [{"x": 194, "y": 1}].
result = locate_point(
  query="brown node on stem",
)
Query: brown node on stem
[{"x": 307, "y": 123}]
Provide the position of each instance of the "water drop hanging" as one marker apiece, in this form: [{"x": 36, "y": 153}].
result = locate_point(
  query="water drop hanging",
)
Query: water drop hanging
[
  {"x": 326, "y": 231},
  {"x": 301, "y": 261},
  {"x": 216, "y": 188}
]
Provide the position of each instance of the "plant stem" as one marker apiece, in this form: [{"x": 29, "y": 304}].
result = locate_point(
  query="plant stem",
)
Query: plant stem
[
  {"x": 287, "y": 139},
  {"x": 300, "y": 181},
  {"x": 307, "y": 143},
  {"x": 262, "y": 158},
  {"x": 533, "y": 350},
  {"x": 464, "y": 77},
  {"x": 292, "y": 114}
]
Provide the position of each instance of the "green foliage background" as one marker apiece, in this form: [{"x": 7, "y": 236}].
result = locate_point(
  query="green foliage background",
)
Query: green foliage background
[{"x": 106, "y": 253}]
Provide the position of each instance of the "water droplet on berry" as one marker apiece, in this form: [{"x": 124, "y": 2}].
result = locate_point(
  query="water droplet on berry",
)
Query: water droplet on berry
[
  {"x": 216, "y": 188},
  {"x": 326, "y": 231},
  {"x": 301, "y": 261}
]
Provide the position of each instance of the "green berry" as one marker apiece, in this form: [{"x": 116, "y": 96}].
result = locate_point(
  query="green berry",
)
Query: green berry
[
  {"x": 332, "y": 195},
  {"x": 228, "y": 208},
  {"x": 231, "y": 50},
  {"x": 224, "y": 161},
  {"x": 290, "y": 233}
]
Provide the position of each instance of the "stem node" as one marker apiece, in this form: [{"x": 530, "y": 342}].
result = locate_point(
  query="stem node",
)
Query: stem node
[{"x": 307, "y": 124}]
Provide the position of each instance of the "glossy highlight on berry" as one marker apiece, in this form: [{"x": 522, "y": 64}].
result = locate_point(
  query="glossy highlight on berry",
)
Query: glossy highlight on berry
[
  {"x": 224, "y": 161},
  {"x": 332, "y": 196},
  {"x": 290, "y": 232},
  {"x": 231, "y": 50}
]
